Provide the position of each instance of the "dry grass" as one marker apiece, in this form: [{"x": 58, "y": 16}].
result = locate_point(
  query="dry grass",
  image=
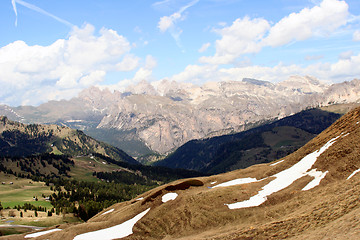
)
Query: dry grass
[{"x": 327, "y": 211}]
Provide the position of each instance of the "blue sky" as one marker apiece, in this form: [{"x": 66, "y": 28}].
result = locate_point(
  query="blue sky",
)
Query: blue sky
[{"x": 52, "y": 49}]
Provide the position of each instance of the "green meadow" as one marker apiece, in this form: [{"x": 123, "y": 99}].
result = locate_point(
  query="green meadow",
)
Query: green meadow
[{"x": 17, "y": 191}]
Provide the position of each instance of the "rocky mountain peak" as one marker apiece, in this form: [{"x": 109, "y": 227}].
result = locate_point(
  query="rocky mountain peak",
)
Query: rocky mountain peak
[
  {"x": 142, "y": 88},
  {"x": 304, "y": 84}
]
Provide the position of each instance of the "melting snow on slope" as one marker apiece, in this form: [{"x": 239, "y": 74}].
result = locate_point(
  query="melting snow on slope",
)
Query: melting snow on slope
[
  {"x": 109, "y": 211},
  {"x": 284, "y": 179},
  {"x": 38, "y": 234},
  {"x": 318, "y": 176},
  {"x": 237, "y": 182},
  {"x": 119, "y": 231},
  {"x": 168, "y": 197},
  {"x": 276, "y": 163},
  {"x": 351, "y": 175}
]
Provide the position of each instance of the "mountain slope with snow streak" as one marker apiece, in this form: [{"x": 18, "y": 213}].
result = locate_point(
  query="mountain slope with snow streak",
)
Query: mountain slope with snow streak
[{"x": 312, "y": 193}]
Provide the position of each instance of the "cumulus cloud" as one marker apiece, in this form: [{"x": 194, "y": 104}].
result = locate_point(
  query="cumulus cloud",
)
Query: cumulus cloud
[
  {"x": 144, "y": 73},
  {"x": 33, "y": 74},
  {"x": 242, "y": 37},
  {"x": 247, "y": 35},
  {"x": 319, "y": 20}
]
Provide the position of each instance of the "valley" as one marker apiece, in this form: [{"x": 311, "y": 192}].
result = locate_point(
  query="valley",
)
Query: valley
[{"x": 311, "y": 193}]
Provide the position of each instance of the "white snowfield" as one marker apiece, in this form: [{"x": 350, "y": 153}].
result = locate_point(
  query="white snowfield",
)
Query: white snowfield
[
  {"x": 238, "y": 181},
  {"x": 109, "y": 211},
  {"x": 119, "y": 231},
  {"x": 351, "y": 175},
  {"x": 286, "y": 178},
  {"x": 168, "y": 197},
  {"x": 38, "y": 234}
]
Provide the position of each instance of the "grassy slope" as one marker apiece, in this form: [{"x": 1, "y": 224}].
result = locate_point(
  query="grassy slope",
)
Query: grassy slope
[
  {"x": 22, "y": 191},
  {"x": 328, "y": 211}
]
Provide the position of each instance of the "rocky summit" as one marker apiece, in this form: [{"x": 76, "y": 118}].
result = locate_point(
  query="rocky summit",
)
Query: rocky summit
[
  {"x": 161, "y": 116},
  {"x": 310, "y": 194}
]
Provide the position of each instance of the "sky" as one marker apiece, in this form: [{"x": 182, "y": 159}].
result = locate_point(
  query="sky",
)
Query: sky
[{"x": 53, "y": 49}]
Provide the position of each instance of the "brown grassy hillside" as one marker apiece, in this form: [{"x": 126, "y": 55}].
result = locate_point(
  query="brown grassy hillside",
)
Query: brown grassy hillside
[{"x": 329, "y": 210}]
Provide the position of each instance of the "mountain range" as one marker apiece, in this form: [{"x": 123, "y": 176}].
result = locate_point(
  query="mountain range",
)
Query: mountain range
[
  {"x": 159, "y": 117},
  {"x": 311, "y": 194}
]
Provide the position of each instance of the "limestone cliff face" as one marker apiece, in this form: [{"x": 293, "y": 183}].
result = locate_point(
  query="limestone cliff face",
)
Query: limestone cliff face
[{"x": 165, "y": 114}]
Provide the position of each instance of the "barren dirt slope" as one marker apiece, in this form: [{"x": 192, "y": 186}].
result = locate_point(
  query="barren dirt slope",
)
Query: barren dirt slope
[{"x": 313, "y": 193}]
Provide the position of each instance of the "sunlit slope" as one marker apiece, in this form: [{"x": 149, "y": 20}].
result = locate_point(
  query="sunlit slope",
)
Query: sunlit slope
[
  {"x": 17, "y": 139},
  {"x": 312, "y": 193}
]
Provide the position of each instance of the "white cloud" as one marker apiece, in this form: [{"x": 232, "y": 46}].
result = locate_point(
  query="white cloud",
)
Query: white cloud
[
  {"x": 129, "y": 63},
  {"x": 356, "y": 36},
  {"x": 204, "y": 47},
  {"x": 242, "y": 37},
  {"x": 167, "y": 23},
  {"x": 343, "y": 70},
  {"x": 150, "y": 62},
  {"x": 247, "y": 35},
  {"x": 197, "y": 73},
  {"x": 33, "y": 74},
  {"x": 319, "y": 20}
]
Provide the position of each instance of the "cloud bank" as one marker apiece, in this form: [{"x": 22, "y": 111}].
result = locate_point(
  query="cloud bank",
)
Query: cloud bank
[{"x": 34, "y": 74}]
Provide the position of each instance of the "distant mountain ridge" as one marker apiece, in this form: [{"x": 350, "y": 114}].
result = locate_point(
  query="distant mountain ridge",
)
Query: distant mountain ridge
[{"x": 162, "y": 116}]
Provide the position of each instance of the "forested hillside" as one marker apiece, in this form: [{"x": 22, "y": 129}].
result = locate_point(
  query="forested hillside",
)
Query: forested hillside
[{"x": 262, "y": 144}]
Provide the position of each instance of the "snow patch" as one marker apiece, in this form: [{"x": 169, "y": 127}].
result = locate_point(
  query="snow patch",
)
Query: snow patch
[
  {"x": 109, "y": 211},
  {"x": 119, "y": 231},
  {"x": 38, "y": 234},
  {"x": 276, "y": 163},
  {"x": 168, "y": 197},
  {"x": 212, "y": 183},
  {"x": 139, "y": 199},
  {"x": 238, "y": 181},
  {"x": 318, "y": 176},
  {"x": 283, "y": 179},
  {"x": 345, "y": 134},
  {"x": 355, "y": 172}
]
